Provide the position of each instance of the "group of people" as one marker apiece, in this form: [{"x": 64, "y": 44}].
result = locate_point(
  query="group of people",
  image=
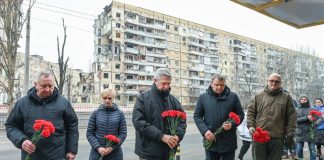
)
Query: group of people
[{"x": 272, "y": 109}]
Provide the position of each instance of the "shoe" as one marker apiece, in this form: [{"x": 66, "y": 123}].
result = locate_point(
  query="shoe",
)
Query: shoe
[
  {"x": 319, "y": 153},
  {"x": 285, "y": 157},
  {"x": 293, "y": 157}
]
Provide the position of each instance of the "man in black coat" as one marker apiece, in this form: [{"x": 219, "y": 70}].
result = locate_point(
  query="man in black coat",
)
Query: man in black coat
[
  {"x": 211, "y": 112},
  {"x": 43, "y": 101},
  {"x": 153, "y": 139}
]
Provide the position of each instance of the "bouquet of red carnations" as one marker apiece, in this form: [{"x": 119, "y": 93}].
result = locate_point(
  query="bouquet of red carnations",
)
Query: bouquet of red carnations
[
  {"x": 315, "y": 115},
  {"x": 173, "y": 117},
  {"x": 42, "y": 129},
  {"x": 261, "y": 136},
  {"x": 110, "y": 141},
  {"x": 232, "y": 117}
]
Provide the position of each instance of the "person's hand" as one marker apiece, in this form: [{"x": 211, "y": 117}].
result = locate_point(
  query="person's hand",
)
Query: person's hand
[
  {"x": 171, "y": 141},
  {"x": 251, "y": 130},
  {"x": 209, "y": 136},
  {"x": 227, "y": 126},
  {"x": 28, "y": 146},
  {"x": 108, "y": 150},
  {"x": 70, "y": 156},
  {"x": 290, "y": 141},
  {"x": 101, "y": 151},
  {"x": 310, "y": 117}
]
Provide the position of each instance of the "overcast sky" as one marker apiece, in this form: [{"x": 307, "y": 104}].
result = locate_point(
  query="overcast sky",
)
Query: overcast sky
[{"x": 46, "y": 25}]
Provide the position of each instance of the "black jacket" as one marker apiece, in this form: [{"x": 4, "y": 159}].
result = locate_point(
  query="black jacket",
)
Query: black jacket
[
  {"x": 58, "y": 110},
  {"x": 303, "y": 124},
  {"x": 212, "y": 111},
  {"x": 150, "y": 126}
]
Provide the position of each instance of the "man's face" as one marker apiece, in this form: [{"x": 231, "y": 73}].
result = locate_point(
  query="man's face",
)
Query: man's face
[
  {"x": 163, "y": 84},
  {"x": 45, "y": 86},
  {"x": 303, "y": 100},
  {"x": 274, "y": 82},
  {"x": 218, "y": 86}
]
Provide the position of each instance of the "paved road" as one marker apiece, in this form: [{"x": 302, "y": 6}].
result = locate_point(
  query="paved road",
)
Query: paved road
[{"x": 191, "y": 147}]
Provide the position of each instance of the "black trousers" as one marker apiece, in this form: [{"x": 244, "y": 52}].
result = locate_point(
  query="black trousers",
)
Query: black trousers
[
  {"x": 271, "y": 150},
  {"x": 245, "y": 147},
  {"x": 224, "y": 156}
]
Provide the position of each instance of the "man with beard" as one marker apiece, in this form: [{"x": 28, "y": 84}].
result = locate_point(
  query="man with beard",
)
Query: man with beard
[
  {"x": 272, "y": 109},
  {"x": 153, "y": 140},
  {"x": 211, "y": 112}
]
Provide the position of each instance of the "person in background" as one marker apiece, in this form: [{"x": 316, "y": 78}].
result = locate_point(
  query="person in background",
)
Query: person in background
[
  {"x": 107, "y": 119},
  {"x": 303, "y": 128},
  {"x": 320, "y": 128},
  {"x": 245, "y": 136},
  {"x": 44, "y": 101}
]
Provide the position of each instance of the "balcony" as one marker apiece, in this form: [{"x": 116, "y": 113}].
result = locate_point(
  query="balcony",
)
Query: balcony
[
  {"x": 211, "y": 39},
  {"x": 145, "y": 34},
  {"x": 158, "y": 64},
  {"x": 197, "y": 44},
  {"x": 134, "y": 71},
  {"x": 197, "y": 53},
  {"x": 131, "y": 92},
  {"x": 152, "y": 54},
  {"x": 143, "y": 43},
  {"x": 196, "y": 68},
  {"x": 132, "y": 50},
  {"x": 136, "y": 22}
]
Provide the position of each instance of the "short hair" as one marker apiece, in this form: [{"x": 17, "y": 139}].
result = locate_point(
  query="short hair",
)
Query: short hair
[
  {"x": 275, "y": 75},
  {"x": 162, "y": 72},
  {"x": 107, "y": 91},
  {"x": 43, "y": 74},
  {"x": 320, "y": 99},
  {"x": 219, "y": 77}
]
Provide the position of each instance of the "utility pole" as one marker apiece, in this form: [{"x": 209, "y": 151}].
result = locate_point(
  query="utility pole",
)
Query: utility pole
[{"x": 26, "y": 78}]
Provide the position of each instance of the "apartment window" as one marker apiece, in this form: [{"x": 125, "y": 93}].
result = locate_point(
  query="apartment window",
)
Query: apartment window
[
  {"x": 131, "y": 98},
  {"x": 99, "y": 41},
  {"x": 118, "y": 15},
  {"x": 118, "y": 97},
  {"x": 106, "y": 75},
  {"x": 177, "y": 63},
  {"x": 117, "y": 35},
  {"x": 118, "y": 25},
  {"x": 117, "y": 87},
  {"x": 117, "y": 76},
  {"x": 167, "y": 26},
  {"x": 99, "y": 32},
  {"x": 184, "y": 30},
  {"x": 117, "y": 66},
  {"x": 105, "y": 86},
  {"x": 99, "y": 50},
  {"x": 176, "y": 28}
]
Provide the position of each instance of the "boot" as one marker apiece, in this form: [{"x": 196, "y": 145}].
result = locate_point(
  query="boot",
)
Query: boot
[{"x": 319, "y": 152}]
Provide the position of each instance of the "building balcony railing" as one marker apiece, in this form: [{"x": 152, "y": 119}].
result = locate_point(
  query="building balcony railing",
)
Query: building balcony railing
[
  {"x": 136, "y": 22},
  {"x": 131, "y": 92},
  {"x": 197, "y": 53},
  {"x": 145, "y": 34},
  {"x": 132, "y": 50},
  {"x": 211, "y": 39},
  {"x": 152, "y": 54},
  {"x": 143, "y": 43},
  {"x": 197, "y": 44}
]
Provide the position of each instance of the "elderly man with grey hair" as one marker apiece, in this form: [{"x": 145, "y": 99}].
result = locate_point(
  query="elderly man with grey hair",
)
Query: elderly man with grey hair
[{"x": 153, "y": 140}]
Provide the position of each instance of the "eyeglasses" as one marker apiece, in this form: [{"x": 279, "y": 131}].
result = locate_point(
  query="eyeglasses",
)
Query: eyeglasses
[
  {"x": 109, "y": 98},
  {"x": 274, "y": 81}
]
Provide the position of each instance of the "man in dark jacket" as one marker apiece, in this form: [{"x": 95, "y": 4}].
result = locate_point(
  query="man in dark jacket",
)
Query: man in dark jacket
[
  {"x": 212, "y": 111},
  {"x": 43, "y": 101},
  {"x": 272, "y": 109},
  {"x": 153, "y": 140}
]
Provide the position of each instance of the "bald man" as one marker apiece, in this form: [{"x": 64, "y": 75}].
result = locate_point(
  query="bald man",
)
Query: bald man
[{"x": 272, "y": 109}]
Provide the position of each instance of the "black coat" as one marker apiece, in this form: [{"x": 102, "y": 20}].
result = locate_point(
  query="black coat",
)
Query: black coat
[
  {"x": 150, "y": 126},
  {"x": 58, "y": 110},
  {"x": 304, "y": 125},
  {"x": 212, "y": 111}
]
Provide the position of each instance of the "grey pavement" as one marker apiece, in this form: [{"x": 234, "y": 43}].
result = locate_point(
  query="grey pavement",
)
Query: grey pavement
[{"x": 191, "y": 147}]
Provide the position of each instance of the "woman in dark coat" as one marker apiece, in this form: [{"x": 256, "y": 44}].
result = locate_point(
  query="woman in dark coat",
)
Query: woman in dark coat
[{"x": 107, "y": 119}]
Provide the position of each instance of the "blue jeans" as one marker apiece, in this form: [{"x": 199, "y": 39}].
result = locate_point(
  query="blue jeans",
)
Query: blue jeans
[{"x": 312, "y": 150}]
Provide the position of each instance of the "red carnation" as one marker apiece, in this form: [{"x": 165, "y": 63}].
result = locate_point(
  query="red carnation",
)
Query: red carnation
[
  {"x": 315, "y": 115},
  {"x": 261, "y": 136},
  {"x": 110, "y": 141}
]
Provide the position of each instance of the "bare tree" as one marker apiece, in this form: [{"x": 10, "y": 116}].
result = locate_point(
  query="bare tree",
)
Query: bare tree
[
  {"x": 60, "y": 80},
  {"x": 12, "y": 19}
]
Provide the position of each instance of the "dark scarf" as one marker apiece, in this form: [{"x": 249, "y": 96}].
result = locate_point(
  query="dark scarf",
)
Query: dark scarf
[
  {"x": 161, "y": 93},
  {"x": 272, "y": 92}
]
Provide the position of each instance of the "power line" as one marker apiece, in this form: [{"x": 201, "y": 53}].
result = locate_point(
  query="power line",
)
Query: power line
[
  {"x": 68, "y": 26},
  {"x": 78, "y": 12},
  {"x": 63, "y": 13}
]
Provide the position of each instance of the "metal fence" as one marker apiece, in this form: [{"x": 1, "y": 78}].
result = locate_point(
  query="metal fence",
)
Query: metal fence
[{"x": 83, "y": 122}]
